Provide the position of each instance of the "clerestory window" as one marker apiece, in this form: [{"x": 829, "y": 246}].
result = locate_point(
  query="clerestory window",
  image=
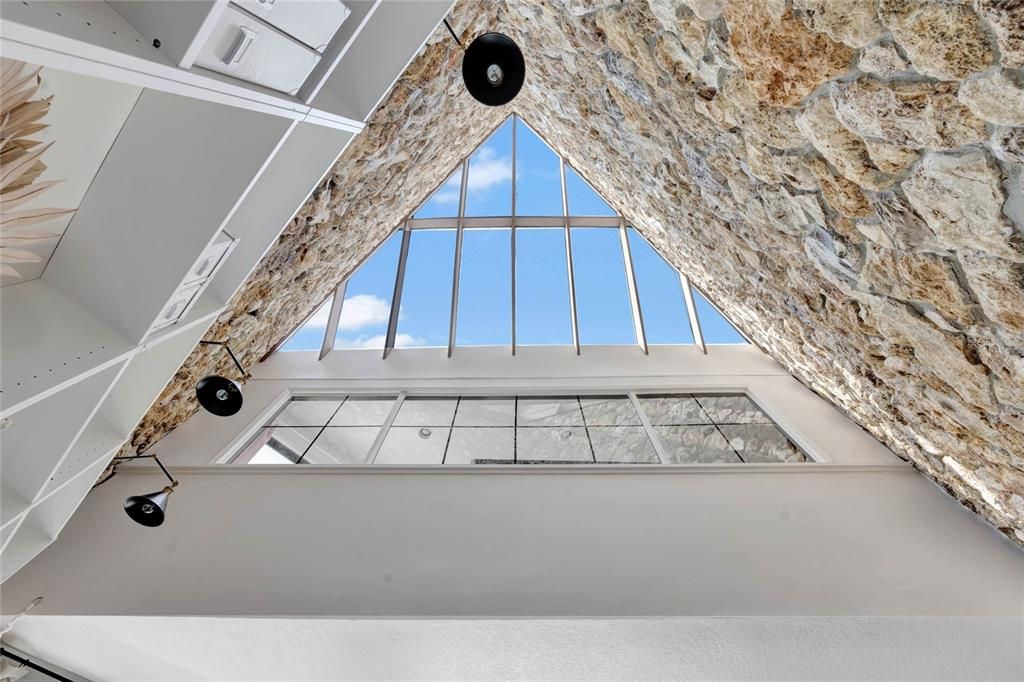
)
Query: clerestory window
[{"x": 627, "y": 428}]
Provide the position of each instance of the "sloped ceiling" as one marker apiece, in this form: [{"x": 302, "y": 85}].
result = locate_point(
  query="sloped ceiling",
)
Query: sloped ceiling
[{"x": 844, "y": 177}]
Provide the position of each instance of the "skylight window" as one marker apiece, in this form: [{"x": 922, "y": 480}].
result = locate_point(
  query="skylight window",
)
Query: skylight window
[{"x": 514, "y": 249}]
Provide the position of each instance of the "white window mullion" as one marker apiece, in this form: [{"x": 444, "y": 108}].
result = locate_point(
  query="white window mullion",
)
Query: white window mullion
[
  {"x": 453, "y": 319},
  {"x": 634, "y": 293},
  {"x": 691, "y": 310},
  {"x": 655, "y": 441},
  {"x": 385, "y": 427},
  {"x": 332, "y": 321},
  {"x": 396, "y": 297},
  {"x": 568, "y": 260}
]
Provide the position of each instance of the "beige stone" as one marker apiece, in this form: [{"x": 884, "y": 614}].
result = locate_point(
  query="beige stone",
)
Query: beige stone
[
  {"x": 843, "y": 196},
  {"x": 706, "y": 9},
  {"x": 1008, "y": 144},
  {"x": 1006, "y": 17},
  {"x": 883, "y": 60},
  {"x": 961, "y": 199},
  {"x": 843, "y": 149},
  {"x": 999, "y": 286},
  {"x": 907, "y": 114},
  {"x": 891, "y": 158},
  {"x": 919, "y": 278},
  {"x": 774, "y": 125},
  {"x": 944, "y": 40},
  {"x": 783, "y": 60},
  {"x": 997, "y": 97},
  {"x": 793, "y": 168},
  {"x": 853, "y": 23}
]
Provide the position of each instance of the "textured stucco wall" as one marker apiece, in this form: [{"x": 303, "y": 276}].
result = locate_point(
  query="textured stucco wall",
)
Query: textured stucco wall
[{"x": 844, "y": 177}]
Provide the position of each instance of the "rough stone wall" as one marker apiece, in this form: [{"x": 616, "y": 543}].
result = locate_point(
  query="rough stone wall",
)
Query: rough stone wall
[{"x": 844, "y": 177}]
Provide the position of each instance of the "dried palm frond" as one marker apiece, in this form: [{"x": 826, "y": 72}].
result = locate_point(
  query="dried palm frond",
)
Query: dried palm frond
[{"x": 21, "y": 165}]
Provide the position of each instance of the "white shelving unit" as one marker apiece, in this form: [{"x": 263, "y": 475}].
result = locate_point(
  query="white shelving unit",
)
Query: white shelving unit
[{"x": 201, "y": 155}]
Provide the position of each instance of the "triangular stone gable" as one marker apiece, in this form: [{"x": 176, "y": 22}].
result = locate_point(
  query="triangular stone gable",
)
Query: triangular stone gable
[{"x": 872, "y": 252}]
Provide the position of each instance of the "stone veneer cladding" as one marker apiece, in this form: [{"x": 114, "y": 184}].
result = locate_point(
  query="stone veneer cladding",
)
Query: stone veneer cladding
[{"x": 844, "y": 177}]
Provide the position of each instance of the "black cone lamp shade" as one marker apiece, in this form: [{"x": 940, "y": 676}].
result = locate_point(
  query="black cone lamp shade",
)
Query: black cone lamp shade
[
  {"x": 493, "y": 69},
  {"x": 148, "y": 510},
  {"x": 219, "y": 395}
]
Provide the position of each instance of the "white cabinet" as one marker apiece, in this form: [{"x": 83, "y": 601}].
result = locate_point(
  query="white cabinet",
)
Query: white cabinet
[
  {"x": 314, "y": 22},
  {"x": 195, "y": 281},
  {"x": 243, "y": 47}
]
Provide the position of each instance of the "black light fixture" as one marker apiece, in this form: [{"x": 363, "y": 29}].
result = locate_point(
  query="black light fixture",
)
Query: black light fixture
[
  {"x": 219, "y": 395},
  {"x": 493, "y": 68},
  {"x": 149, "y": 509}
]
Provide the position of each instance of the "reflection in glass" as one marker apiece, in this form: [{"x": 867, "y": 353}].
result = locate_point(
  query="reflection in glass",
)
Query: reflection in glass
[
  {"x": 732, "y": 409},
  {"x": 608, "y": 410},
  {"x": 485, "y": 412},
  {"x": 427, "y": 292},
  {"x": 413, "y": 445},
  {"x": 307, "y": 412},
  {"x": 602, "y": 299},
  {"x": 342, "y": 445},
  {"x": 485, "y": 289},
  {"x": 426, "y": 412},
  {"x": 481, "y": 445},
  {"x": 363, "y": 411},
  {"x": 549, "y": 412},
  {"x": 695, "y": 445},
  {"x": 761, "y": 443},
  {"x": 553, "y": 445},
  {"x": 673, "y": 410},
  {"x": 622, "y": 445},
  {"x": 542, "y": 288}
]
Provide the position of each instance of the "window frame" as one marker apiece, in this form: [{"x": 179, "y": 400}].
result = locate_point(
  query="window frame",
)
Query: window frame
[{"x": 255, "y": 428}]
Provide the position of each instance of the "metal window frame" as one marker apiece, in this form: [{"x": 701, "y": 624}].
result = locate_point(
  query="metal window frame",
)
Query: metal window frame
[{"x": 461, "y": 222}]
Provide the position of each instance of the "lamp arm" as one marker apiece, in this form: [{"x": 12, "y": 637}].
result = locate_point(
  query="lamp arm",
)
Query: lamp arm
[
  {"x": 155, "y": 459},
  {"x": 245, "y": 375}
]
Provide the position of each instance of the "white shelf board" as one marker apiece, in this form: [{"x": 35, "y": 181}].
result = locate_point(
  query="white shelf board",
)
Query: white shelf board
[
  {"x": 366, "y": 72},
  {"x": 175, "y": 174},
  {"x": 49, "y": 343},
  {"x": 98, "y": 442},
  {"x": 93, "y": 39},
  {"x": 202, "y": 314},
  {"x": 26, "y": 543},
  {"x": 38, "y": 438},
  {"x": 12, "y": 505}
]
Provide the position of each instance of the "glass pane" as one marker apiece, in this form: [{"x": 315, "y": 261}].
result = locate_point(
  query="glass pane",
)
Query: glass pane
[
  {"x": 485, "y": 412},
  {"x": 538, "y": 179},
  {"x": 307, "y": 412},
  {"x": 277, "y": 445},
  {"x": 485, "y": 289},
  {"x": 695, "y": 444},
  {"x": 661, "y": 294},
  {"x": 583, "y": 200},
  {"x": 609, "y": 411},
  {"x": 310, "y": 336},
  {"x": 714, "y": 327},
  {"x": 673, "y": 410},
  {"x": 602, "y": 300},
  {"x": 370, "y": 411},
  {"x": 549, "y": 412},
  {"x": 364, "y": 314},
  {"x": 732, "y": 409},
  {"x": 427, "y": 292},
  {"x": 426, "y": 412},
  {"x": 622, "y": 444},
  {"x": 413, "y": 445},
  {"x": 342, "y": 445},
  {"x": 481, "y": 445},
  {"x": 554, "y": 445},
  {"x": 444, "y": 203},
  {"x": 542, "y": 288},
  {"x": 489, "y": 187},
  {"x": 762, "y": 443}
]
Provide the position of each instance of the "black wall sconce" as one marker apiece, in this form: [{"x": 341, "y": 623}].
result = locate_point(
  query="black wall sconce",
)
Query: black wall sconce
[
  {"x": 493, "y": 68},
  {"x": 149, "y": 509},
  {"x": 219, "y": 395}
]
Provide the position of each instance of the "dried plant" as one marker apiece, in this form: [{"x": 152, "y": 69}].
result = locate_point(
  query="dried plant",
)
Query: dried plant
[{"x": 20, "y": 165}]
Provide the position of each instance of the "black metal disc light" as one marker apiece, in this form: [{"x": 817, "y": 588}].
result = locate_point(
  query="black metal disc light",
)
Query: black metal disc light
[
  {"x": 493, "y": 68},
  {"x": 219, "y": 395}
]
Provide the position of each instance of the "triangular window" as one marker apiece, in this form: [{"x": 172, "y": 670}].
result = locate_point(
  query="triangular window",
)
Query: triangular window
[{"x": 514, "y": 249}]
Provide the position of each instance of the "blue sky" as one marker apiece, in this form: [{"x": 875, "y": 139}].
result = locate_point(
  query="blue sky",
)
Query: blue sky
[{"x": 542, "y": 289}]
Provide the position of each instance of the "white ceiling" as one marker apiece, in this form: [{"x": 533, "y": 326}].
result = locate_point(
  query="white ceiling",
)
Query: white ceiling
[
  {"x": 84, "y": 118},
  {"x": 140, "y": 649}
]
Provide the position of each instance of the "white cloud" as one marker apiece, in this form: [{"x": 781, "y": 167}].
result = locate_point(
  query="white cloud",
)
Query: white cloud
[
  {"x": 319, "y": 319},
  {"x": 377, "y": 341},
  {"x": 487, "y": 170},
  {"x": 363, "y": 310}
]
